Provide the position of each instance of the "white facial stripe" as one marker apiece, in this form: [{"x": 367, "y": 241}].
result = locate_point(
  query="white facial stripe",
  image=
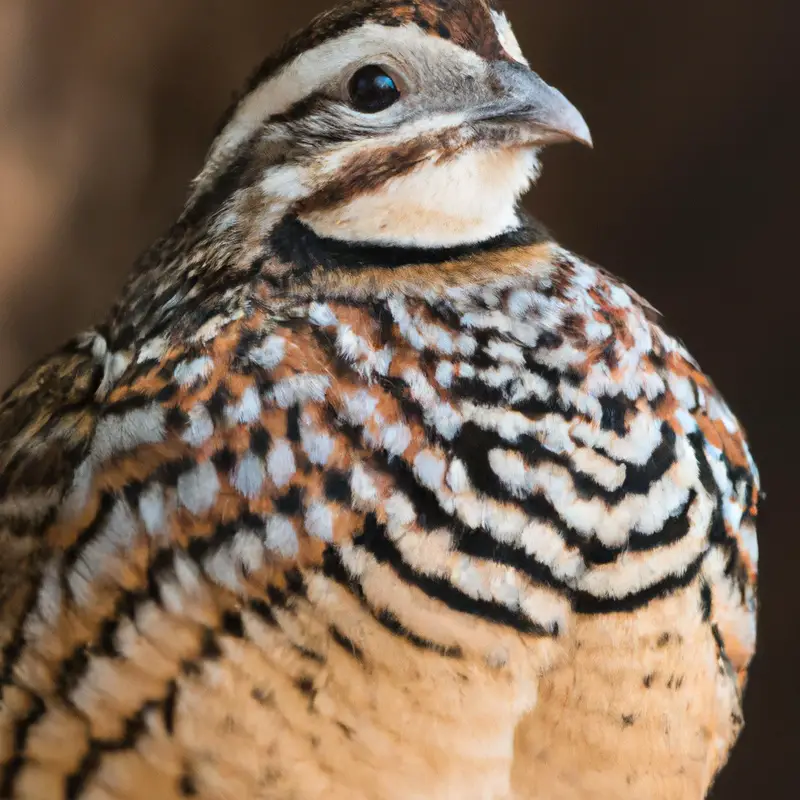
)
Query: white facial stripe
[
  {"x": 403, "y": 46},
  {"x": 402, "y": 135},
  {"x": 507, "y": 38}
]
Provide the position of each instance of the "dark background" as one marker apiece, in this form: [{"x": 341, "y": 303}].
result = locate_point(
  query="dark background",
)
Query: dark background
[{"x": 107, "y": 106}]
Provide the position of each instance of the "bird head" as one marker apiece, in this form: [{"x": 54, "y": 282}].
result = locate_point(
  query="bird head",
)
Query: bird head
[{"x": 395, "y": 122}]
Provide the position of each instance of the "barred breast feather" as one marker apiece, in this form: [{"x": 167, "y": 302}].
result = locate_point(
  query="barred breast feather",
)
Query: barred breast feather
[{"x": 316, "y": 500}]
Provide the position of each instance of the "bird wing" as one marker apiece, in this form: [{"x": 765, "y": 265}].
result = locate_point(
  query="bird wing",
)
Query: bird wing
[{"x": 46, "y": 423}]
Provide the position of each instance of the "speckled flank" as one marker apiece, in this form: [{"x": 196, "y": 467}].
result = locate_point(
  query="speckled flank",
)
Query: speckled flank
[{"x": 510, "y": 456}]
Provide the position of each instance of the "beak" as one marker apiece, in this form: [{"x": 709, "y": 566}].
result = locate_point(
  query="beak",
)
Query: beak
[{"x": 525, "y": 98}]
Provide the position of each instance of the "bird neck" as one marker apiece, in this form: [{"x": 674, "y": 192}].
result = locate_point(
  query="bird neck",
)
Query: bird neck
[
  {"x": 467, "y": 196},
  {"x": 250, "y": 229},
  {"x": 295, "y": 242}
]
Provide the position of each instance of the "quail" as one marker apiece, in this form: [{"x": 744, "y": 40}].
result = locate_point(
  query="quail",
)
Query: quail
[{"x": 366, "y": 487}]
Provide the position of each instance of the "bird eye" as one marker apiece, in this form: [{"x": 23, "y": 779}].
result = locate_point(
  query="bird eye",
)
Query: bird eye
[{"x": 372, "y": 90}]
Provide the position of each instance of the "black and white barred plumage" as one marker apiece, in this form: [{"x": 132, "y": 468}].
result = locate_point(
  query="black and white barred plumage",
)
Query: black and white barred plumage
[{"x": 366, "y": 487}]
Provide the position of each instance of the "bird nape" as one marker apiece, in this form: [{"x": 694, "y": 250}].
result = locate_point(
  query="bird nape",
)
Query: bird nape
[{"x": 366, "y": 487}]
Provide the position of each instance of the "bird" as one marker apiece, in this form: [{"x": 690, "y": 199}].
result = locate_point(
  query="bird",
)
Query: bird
[{"x": 366, "y": 487}]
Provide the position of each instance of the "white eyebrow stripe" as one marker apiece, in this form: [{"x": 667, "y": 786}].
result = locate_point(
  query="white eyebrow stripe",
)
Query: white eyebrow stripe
[
  {"x": 310, "y": 71},
  {"x": 507, "y": 38}
]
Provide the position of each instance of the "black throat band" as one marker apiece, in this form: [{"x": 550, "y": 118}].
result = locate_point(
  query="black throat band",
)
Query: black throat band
[{"x": 295, "y": 243}]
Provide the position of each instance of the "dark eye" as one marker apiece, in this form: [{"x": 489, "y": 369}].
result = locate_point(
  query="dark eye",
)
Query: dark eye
[{"x": 372, "y": 90}]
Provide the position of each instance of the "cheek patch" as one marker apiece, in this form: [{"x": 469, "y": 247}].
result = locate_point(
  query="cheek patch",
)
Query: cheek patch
[{"x": 507, "y": 38}]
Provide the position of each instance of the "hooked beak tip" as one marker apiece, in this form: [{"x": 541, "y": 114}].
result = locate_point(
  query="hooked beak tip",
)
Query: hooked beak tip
[
  {"x": 565, "y": 121},
  {"x": 542, "y": 106},
  {"x": 583, "y": 135}
]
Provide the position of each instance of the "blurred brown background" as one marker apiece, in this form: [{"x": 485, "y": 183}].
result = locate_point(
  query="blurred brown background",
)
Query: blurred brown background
[{"x": 107, "y": 106}]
